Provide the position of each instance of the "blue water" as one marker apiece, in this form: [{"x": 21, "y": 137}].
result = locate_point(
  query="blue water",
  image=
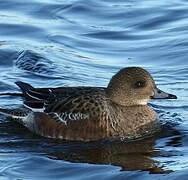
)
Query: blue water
[{"x": 77, "y": 42}]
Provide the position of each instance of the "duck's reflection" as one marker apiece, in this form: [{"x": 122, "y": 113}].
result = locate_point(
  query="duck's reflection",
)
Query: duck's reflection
[{"x": 138, "y": 155}]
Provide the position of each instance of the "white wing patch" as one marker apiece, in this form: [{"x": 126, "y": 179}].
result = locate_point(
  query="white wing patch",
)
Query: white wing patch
[
  {"x": 36, "y": 95},
  {"x": 67, "y": 116},
  {"x": 32, "y": 96}
]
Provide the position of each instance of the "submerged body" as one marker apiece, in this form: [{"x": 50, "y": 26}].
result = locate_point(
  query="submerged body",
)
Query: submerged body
[{"x": 92, "y": 113}]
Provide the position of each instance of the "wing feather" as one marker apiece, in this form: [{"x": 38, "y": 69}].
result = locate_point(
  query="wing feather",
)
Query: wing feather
[{"x": 65, "y": 117}]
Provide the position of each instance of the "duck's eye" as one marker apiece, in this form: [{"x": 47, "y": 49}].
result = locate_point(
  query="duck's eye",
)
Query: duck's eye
[{"x": 139, "y": 84}]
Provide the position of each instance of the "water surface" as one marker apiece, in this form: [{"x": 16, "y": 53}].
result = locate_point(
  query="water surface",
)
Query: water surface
[{"x": 77, "y": 42}]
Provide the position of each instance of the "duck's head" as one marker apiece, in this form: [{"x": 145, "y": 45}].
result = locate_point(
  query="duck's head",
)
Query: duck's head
[{"x": 134, "y": 86}]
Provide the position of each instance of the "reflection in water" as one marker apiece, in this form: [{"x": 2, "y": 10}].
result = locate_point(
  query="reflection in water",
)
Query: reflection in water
[
  {"x": 130, "y": 156},
  {"x": 137, "y": 155}
]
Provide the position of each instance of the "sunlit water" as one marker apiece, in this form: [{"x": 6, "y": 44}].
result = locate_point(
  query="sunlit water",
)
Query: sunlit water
[{"x": 74, "y": 42}]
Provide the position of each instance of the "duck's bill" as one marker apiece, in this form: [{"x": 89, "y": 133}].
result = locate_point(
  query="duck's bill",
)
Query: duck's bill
[{"x": 158, "y": 94}]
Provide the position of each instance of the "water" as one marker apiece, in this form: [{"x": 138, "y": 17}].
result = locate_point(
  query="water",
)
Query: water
[{"x": 77, "y": 42}]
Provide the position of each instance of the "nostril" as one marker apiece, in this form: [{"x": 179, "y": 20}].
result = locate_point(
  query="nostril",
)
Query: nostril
[{"x": 159, "y": 92}]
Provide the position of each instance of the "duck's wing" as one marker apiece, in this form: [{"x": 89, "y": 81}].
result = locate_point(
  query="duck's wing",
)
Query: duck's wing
[
  {"x": 61, "y": 110},
  {"x": 33, "y": 97},
  {"x": 49, "y": 99},
  {"x": 76, "y": 107},
  {"x": 33, "y": 94}
]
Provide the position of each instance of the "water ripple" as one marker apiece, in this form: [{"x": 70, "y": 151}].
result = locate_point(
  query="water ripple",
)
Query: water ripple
[{"x": 77, "y": 42}]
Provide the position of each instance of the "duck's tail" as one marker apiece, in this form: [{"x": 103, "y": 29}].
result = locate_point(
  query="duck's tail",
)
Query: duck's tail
[{"x": 25, "y": 88}]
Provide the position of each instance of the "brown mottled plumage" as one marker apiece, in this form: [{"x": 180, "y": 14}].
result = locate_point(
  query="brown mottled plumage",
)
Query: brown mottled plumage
[{"x": 92, "y": 113}]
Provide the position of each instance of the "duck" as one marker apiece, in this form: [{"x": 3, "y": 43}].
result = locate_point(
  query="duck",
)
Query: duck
[{"x": 118, "y": 111}]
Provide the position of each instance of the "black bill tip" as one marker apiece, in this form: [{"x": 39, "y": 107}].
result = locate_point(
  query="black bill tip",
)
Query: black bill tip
[{"x": 171, "y": 96}]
